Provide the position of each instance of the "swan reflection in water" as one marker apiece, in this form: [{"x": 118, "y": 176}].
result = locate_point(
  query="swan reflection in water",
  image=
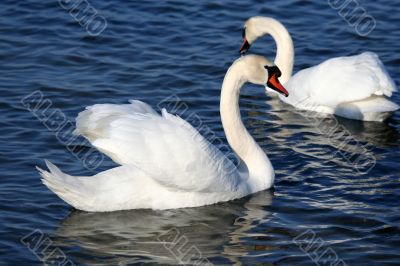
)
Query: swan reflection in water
[
  {"x": 319, "y": 136},
  {"x": 125, "y": 237},
  {"x": 316, "y": 146}
]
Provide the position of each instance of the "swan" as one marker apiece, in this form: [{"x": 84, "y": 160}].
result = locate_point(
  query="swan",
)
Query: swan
[
  {"x": 355, "y": 87},
  {"x": 164, "y": 162}
]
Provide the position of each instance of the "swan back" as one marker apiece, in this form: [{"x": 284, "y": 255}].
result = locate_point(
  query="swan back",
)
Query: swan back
[{"x": 340, "y": 80}]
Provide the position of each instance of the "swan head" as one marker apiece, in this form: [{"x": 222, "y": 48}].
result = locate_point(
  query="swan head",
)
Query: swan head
[
  {"x": 259, "y": 70},
  {"x": 250, "y": 33},
  {"x": 255, "y": 27}
]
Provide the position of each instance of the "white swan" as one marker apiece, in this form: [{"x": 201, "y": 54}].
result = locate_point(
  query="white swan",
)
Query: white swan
[
  {"x": 355, "y": 87},
  {"x": 165, "y": 162}
]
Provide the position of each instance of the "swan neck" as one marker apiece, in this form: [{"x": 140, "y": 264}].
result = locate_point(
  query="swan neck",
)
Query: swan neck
[
  {"x": 259, "y": 168},
  {"x": 284, "y": 58}
]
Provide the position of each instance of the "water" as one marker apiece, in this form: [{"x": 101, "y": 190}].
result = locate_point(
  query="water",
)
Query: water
[{"x": 151, "y": 50}]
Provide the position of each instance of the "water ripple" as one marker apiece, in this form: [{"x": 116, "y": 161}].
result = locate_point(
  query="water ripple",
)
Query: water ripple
[{"x": 152, "y": 50}]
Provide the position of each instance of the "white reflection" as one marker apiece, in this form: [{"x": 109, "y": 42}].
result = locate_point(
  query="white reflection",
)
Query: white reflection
[{"x": 133, "y": 236}]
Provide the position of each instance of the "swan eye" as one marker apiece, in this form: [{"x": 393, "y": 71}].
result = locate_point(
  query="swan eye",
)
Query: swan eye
[{"x": 244, "y": 32}]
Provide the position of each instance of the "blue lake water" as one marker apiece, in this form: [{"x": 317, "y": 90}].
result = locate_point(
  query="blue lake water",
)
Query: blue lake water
[{"x": 323, "y": 209}]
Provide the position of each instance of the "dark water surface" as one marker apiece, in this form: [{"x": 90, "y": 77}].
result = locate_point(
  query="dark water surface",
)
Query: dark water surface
[{"x": 152, "y": 50}]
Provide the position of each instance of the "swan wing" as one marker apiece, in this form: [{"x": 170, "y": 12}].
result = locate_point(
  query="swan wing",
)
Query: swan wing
[
  {"x": 343, "y": 79},
  {"x": 164, "y": 146},
  {"x": 87, "y": 121}
]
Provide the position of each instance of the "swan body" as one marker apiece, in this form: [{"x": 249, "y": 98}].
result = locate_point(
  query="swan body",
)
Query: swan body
[
  {"x": 355, "y": 87},
  {"x": 164, "y": 162}
]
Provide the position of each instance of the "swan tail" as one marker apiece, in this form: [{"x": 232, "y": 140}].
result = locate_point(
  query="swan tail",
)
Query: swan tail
[{"x": 65, "y": 186}]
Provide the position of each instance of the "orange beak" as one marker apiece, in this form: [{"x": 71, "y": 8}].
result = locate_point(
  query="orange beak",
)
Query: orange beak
[
  {"x": 245, "y": 46},
  {"x": 274, "y": 84}
]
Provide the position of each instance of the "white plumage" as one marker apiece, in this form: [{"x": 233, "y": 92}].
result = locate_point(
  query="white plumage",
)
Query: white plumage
[
  {"x": 355, "y": 87},
  {"x": 165, "y": 162},
  {"x": 165, "y": 146}
]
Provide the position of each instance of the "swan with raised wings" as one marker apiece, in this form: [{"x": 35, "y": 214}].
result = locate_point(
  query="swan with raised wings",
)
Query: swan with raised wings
[
  {"x": 355, "y": 87},
  {"x": 165, "y": 162}
]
